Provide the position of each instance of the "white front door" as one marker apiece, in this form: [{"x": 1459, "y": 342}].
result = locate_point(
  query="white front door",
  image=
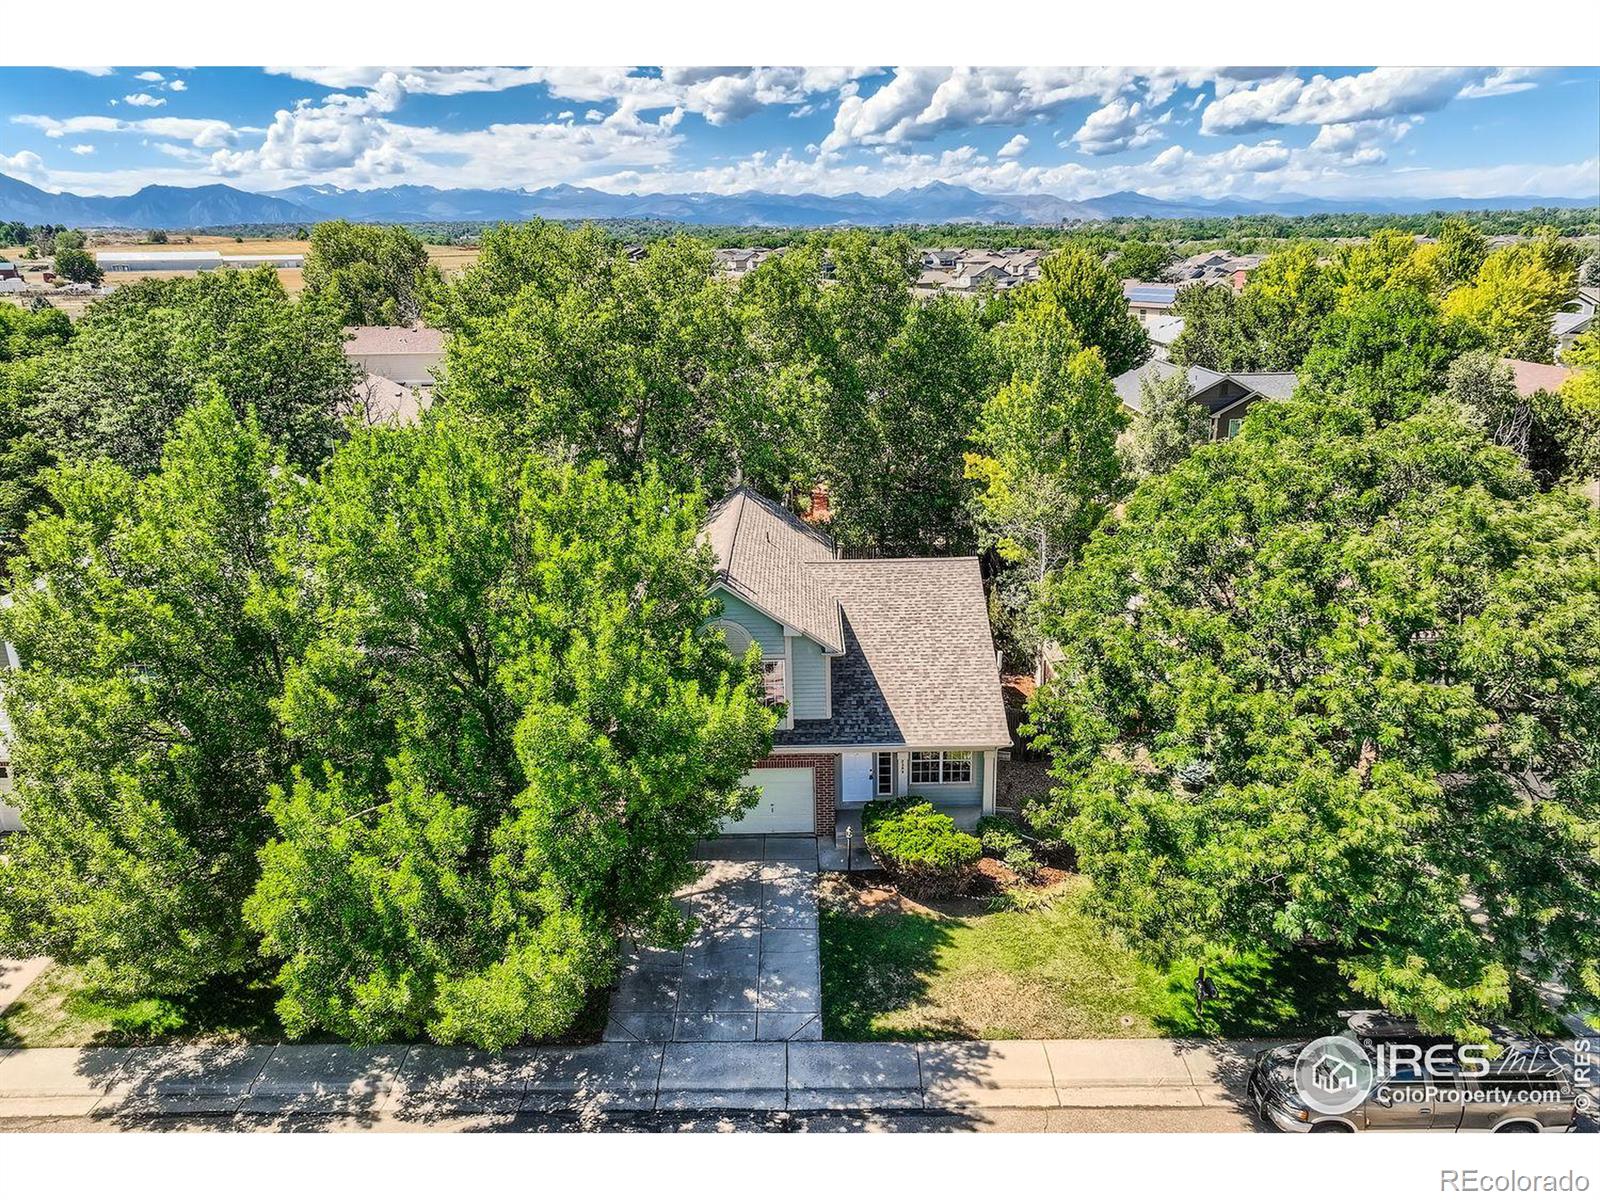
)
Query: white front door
[
  {"x": 786, "y": 805},
  {"x": 858, "y": 782}
]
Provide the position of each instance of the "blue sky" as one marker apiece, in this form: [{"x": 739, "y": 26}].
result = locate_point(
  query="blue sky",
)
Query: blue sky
[{"x": 1074, "y": 132}]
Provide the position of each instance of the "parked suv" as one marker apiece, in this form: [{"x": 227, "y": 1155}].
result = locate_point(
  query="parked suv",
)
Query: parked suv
[{"x": 1524, "y": 1090}]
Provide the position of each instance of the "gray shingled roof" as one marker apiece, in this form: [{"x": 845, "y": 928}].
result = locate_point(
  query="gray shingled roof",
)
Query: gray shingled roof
[
  {"x": 763, "y": 552},
  {"x": 919, "y": 664},
  {"x": 915, "y": 661},
  {"x": 1127, "y": 384},
  {"x": 1275, "y": 385}
]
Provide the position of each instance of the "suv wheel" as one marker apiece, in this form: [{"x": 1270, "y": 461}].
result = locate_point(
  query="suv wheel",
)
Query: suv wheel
[
  {"x": 1518, "y": 1127},
  {"x": 1330, "y": 1127}
]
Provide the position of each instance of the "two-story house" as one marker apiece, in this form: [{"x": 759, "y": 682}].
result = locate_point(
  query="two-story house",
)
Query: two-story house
[{"x": 885, "y": 668}]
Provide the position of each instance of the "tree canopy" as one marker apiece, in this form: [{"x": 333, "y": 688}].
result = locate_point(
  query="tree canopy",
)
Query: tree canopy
[
  {"x": 515, "y": 727},
  {"x": 152, "y": 651},
  {"x": 368, "y": 274},
  {"x": 1335, "y": 683},
  {"x": 144, "y": 355}
]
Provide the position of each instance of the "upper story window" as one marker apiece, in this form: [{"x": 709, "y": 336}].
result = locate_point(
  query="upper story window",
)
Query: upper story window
[
  {"x": 941, "y": 766},
  {"x": 772, "y": 681}
]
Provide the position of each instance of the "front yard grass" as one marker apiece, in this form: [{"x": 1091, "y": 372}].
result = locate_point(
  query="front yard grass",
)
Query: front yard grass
[
  {"x": 57, "y": 1009},
  {"x": 896, "y": 969}
]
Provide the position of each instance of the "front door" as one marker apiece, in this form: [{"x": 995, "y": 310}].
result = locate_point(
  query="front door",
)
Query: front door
[{"x": 857, "y": 777}]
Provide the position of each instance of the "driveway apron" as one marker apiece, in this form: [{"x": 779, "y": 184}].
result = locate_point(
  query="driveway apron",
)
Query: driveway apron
[{"x": 752, "y": 972}]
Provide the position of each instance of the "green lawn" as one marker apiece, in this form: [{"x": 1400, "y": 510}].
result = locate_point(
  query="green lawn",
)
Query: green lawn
[
  {"x": 895, "y": 971},
  {"x": 57, "y": 1010}
]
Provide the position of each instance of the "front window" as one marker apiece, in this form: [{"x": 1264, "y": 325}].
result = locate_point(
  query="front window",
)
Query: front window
[
  {"x": 772, "y": 681},
  {"x": 957, "y": 766},
  {"x": 941, "y": 766},
  {"x": 1234, "y": 424}
]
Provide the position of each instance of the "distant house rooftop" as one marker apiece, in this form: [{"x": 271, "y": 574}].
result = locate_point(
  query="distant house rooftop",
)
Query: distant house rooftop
[
  {"x": 1136, "y": 292},
  {"x": 1532, "y": 377},
  {"x": 393, "y": 339}
]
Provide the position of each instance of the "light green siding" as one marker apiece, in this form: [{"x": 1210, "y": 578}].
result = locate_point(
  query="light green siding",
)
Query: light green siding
[
  {"x": 766, "y": 632},
  {"x": 951, "y": 793},
  {"x": 810, "y": 686}
]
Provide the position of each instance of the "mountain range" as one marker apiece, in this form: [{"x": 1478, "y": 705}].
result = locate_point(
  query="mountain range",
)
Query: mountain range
[{"x": 160, "y": 207}]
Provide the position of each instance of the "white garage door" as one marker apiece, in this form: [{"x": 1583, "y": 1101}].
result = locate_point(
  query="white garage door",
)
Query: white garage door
[{"x": 785, "y": 805}]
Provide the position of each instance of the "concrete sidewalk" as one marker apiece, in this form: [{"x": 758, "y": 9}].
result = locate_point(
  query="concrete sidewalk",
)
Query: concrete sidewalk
[{"x": 415, "y": 1082}]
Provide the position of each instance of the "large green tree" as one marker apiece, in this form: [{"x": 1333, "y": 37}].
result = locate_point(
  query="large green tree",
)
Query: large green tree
[
  {"x": 886, "y": 389},
  {"x": 1075, "y": 285},
  {"x": 152, "y": 648},
  {"x": 368, "y": 274},
  {"x": 24, "y": 450},
  {"x": 1268, "y": 326},
  {"x": 144, "y": 355},
  {"x": 593, "y": 355},
  {"x": 1167, "y": 428},
  {"x": 516, "y": 726},
  {"x": 1388, "y": 350},
  {"x": 1337, "y": 684},
  {"x": 1516, "y": 294}
]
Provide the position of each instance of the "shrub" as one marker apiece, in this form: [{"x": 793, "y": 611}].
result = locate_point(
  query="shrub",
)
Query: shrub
[
  {"x": 919, "y": 846},
  {"x": 1003, "y": 839}
]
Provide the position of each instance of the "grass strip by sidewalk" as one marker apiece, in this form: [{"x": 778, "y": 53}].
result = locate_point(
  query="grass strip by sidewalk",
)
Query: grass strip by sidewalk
[{"x": 894, "y": 970}]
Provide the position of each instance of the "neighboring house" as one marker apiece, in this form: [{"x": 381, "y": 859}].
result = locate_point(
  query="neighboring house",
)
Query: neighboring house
[
  {"x": 886, "y": 667},
  {"x": 1147, "y": 301},
  {"x": 248, "y": 262},
  {"x": 1214, "y": 266},
  {"x": 1225, "y": 397},
  {"x": 9, "y": 270},
  {"x": 1574, "y": 320},
  {"x": 406, "y": 354},
  {"x": 742, "y": 261},
  {"x": 1162, "y": 332}
]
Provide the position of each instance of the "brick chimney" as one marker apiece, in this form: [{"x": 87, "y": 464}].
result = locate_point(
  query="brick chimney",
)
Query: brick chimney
[{"x": 819, "y": 504}]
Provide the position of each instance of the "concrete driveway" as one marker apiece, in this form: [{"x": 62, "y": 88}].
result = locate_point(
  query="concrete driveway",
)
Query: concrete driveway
[{"x": 752, "y": 971}]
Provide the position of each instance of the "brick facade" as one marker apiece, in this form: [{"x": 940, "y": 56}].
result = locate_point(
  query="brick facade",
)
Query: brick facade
[{"x": 824, "y": 779}]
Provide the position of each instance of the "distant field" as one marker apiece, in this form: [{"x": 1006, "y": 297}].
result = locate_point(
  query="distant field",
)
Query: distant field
[{"x": 449, "y": 259}]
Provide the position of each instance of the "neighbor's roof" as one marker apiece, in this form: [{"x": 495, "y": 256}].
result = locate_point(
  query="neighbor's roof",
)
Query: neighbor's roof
[
  {"x": 1570, "y": 322},
  {"x": 385, "y": 402},
  {"x": 1275, "y": 385},
  {"x": 919, "y": 664},
  {"x": 1135, "y": 292},
  {"x": 763, "y": 555},
  {"x": 393, "y": 339},
  {"x": 1127, "y": 384},
  {"x": 1534, "y": 377},
  {"x": 1163, "y": 331}
]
